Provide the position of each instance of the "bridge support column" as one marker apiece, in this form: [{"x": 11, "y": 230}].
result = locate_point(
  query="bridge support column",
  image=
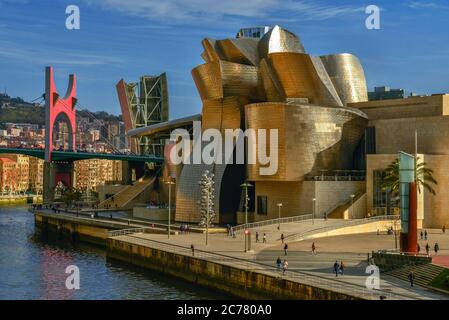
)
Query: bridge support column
[{"x": 55, "y": 172}]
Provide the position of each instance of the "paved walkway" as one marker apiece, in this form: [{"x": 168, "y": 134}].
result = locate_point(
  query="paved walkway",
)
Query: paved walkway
[
  {"x": 303, "y": 266},
  {"x": 314, "y": 269}
]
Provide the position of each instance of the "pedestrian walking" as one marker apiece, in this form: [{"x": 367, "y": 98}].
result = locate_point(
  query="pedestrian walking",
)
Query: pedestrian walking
[
  {"x": 427, "y": 249},
  {"x": 436, "y": 248},
  {"x": 257, "y": 236},
  {"x": 425, "y": 234},
  {"x": 422, "y": 235},
  {"x": 285, "y": 249},
  {"x": 342, "y": 268},
  {"x": 285, "y": 266},
  {"x": 193, "y": 249},
  {"x": 419, "y": 248},
  {"x": 444, "y": 229},
  {"x": 313, "y": 248},
  {"x": 278, "y": 263},
  {"x": 264, "y": 238},
  {"x": 282, "y": 238},
  {"x": 411, "y": 278},
  {"x": 336, "y": 268}
]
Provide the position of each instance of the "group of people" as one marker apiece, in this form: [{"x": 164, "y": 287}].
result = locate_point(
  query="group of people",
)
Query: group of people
[
  {"x": 231, "y": 232},
  {"x": 282, "y": 265},
  {"x": 424, "y": 236},
  {"x": 339, "y": 268},
  {"x": 436, "y": 248},
  {"x": 184, "y": 228},
  {"x": 264, "y": 237}
]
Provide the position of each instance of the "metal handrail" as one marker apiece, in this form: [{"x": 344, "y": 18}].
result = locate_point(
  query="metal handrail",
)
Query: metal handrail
[
  {"x": 305, "y": 234},
  {"x": 271, "y": 222},
  {"x": 124, "y": 232},
  {"x": 300, "y": 276}
]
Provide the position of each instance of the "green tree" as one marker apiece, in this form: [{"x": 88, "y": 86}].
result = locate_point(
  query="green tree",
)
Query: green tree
[
  {"x": 70, "y": 196},
  {"x": 423, "y": 177}
]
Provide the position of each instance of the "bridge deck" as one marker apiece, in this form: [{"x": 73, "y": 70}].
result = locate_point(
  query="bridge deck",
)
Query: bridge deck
[{"x": 73, "y": 155}]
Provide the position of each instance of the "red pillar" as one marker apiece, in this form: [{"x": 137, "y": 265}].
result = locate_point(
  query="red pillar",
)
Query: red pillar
[{"x": 412, "y": 237}]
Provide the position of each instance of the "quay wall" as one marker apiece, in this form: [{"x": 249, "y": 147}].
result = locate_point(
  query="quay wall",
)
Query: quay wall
[
  {"x": 93, "y": 232},
  {"x": 242, "y": 283},
  {"x": 238, "y": 282}
]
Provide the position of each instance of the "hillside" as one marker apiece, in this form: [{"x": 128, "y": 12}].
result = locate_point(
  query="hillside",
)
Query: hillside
[{"x": 16, "y": 110}]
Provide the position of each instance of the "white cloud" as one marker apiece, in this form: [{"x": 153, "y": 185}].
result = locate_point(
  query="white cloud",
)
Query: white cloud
[
  {"x": 201, "y": 11},
  {"x": 42, "y": 55},
  {"x": 427, "y": 5}
]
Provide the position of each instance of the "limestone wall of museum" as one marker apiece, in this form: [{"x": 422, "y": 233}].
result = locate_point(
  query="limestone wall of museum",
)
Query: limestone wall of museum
[
  {"x": 412, "y": 107},
  {"x": 296, "y": 197}
]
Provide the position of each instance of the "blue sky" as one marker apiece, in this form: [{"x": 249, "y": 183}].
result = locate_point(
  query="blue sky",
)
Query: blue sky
[{"x": 128, "y": 38}]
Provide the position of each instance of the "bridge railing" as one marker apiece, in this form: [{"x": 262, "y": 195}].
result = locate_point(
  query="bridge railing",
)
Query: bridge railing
[{"x": 304, "y": 277}]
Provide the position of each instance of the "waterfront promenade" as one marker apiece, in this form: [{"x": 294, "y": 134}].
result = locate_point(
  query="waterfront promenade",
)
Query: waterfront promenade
[{"x": 304, "y": 267}]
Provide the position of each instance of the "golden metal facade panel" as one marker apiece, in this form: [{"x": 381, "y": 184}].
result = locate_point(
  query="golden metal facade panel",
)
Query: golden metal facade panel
[
  {"x": 243, "y": 50},
  {"x": 223, "y": 113},
  {"x": 211, "y": 51},
  {"x": 296, "y": 75},
  {"x": 279, "y": 40},
  {"x": 311, "y": 137},
  {"x": 239, "y": 79},
  {"x": 269, "y": 83},
  {"x": 215, "y": 80},
  {"x": 328, "y": 94},
  {"x": 348, "y": 77},
  {"x": 207, "y": 79}
]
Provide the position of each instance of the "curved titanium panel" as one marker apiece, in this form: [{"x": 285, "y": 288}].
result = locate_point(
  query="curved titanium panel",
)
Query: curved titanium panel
[
  {"x": 211, "y": 51},
  {"x": 207, "y": 79},
  {"x": 223, "y": 113},
  {"x": 269, "y": 83},
  {"x": 296, "y": 75},
  {"x": 279, "y": 40},
  {"x": 347, "y": 75},
  {"x": 310, "y": 137},
  {"x": 328, "y": 94},
  {"x": 218, "y": 79},
  {"x": 243, "y": 50}
]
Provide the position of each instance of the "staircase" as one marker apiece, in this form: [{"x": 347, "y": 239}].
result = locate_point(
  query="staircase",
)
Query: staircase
[
  {"x": 122, "y": 199},
  {"x": 424, "y": 274},
  {"x": 338, "y": 212}
]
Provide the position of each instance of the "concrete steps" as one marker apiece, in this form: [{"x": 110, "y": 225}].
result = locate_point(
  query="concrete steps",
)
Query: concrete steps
[
  {"x": 339, "y": 211},
  {"x": 121, "y": 199},
  {"x": 424, "y": 274}
]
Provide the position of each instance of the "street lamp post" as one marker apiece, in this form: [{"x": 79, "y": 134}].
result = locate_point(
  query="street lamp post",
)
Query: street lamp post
[
  {"x": 352, "y": 205},
  {"x": 313, "y": 214},
  {"x": 170, "y": 183},
  {"x": 246, "y": 185},
  {"x": 279, "y": 215}
]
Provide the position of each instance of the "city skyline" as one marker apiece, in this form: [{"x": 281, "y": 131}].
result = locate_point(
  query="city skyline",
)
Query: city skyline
[{"x": 126, "y": 41}]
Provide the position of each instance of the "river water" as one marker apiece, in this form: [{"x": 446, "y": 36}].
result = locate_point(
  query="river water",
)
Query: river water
[{"x": 33, "y": 265}]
